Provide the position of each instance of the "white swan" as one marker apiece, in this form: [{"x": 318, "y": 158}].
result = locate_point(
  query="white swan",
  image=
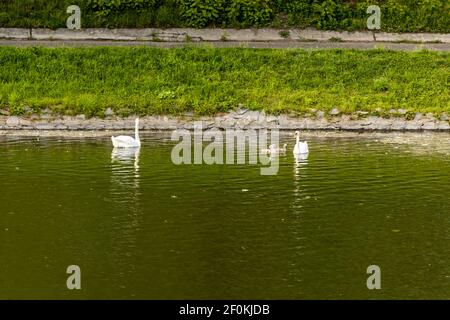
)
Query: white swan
[
  {"x": 300, "y": 147},
  {"x": 126, "y": 141}
]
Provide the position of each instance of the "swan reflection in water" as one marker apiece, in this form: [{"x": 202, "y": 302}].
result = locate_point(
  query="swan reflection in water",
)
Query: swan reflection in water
[
  {"x": 126, "y": 156},
  {"x": 126, "y": 212},
  {"x": 125, "y": 174},
  {"x": 301, "y": 159},
  {"x": 300, "y": 164}
]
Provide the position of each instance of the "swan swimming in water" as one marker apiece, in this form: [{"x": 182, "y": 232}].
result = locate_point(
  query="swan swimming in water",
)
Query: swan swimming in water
[
  {"x": 127, "y": 141},
  {"x": 300, "y": 147},
  {"x": 274, "y": 150}
]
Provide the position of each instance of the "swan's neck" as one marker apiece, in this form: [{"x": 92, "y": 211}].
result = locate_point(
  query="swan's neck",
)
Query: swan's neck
[{"x": 297, "y": 139}]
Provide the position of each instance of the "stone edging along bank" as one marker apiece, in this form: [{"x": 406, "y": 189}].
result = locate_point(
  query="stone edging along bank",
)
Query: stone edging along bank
[
  {"x": 240, "y": 119},
  {"x": 211, "y": 35}
]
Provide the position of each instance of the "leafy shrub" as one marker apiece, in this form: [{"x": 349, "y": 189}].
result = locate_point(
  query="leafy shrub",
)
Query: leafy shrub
[
  {"x": 107, "y": 7},
  {"x": 167, "y": 15},
  {"x": 249, "y": 12},
  {"x": 325, "y": 14},
  {"x": 397, "y": 15},
  {"x": 330, "y": 15},
  {"x": 240, "y": 13},
  {"x": 200, "y": 13},
  {"x": 299, "y": 12}
]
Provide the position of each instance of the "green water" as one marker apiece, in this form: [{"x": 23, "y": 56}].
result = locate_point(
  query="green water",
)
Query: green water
[{"x": 147, "y": 229}]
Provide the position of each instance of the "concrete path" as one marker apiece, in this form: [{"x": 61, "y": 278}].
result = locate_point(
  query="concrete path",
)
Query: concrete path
[
  {"x": 308, "y": 38},
  {"x": 226, "y": 44},
  {"x": 239, "y": 35}
]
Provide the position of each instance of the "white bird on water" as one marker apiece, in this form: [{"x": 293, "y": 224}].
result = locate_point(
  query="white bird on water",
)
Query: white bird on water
[
  {"x": 301, "y": 147},
  {"x": 273, "y": 149},
  {"x": 127, "y": 141}
]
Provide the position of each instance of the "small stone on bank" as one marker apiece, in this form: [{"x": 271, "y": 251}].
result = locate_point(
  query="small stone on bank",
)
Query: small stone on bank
[
  {"x": 240, "y": 110},
  {"x": 320, "y": 114},
  {"x": 12, "y": 121},
  {"x": 109, "y": 112},
  {"x": 334, "y": 112}
]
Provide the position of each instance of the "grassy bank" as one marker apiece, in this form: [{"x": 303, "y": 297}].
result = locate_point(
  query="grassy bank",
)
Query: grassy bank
[
  {"x": 397, "y": 15},
  {"x": 207, "y": 80}
]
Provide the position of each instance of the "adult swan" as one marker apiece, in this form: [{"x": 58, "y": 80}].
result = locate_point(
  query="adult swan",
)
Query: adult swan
[
  {"x": 126, "y": 141},
  {"x": 300, "y": 147}
]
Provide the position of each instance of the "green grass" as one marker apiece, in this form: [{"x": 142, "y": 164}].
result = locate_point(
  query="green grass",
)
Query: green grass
[{"x": 208, "y": 80}]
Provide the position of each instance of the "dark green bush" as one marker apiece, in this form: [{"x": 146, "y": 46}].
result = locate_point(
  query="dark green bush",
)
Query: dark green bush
[
  {"x": 201, "y": 13},
  {"x": 397, "y": 15},
  {"x": 248, "y": 13},
  {"x": 109, "y": 6},
  {"x": 237, "y": 13},
  {"x": 331, "y": 15}
]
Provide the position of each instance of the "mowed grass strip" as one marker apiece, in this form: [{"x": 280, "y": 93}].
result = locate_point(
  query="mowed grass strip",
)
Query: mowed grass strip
[{"x": 206, "y": 80}]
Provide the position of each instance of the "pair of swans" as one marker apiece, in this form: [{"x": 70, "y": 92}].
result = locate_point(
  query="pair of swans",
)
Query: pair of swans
[
  {"x": 127, "y": 141},
  {"x": 300, "y": 147}
]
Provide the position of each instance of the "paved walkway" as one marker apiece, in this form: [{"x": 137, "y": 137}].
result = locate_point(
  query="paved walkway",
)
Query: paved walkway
[
  {"x": 227, "y": 44},
  {"x": 217, "y": 34},
  {"x": 307, "y": 38}
]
